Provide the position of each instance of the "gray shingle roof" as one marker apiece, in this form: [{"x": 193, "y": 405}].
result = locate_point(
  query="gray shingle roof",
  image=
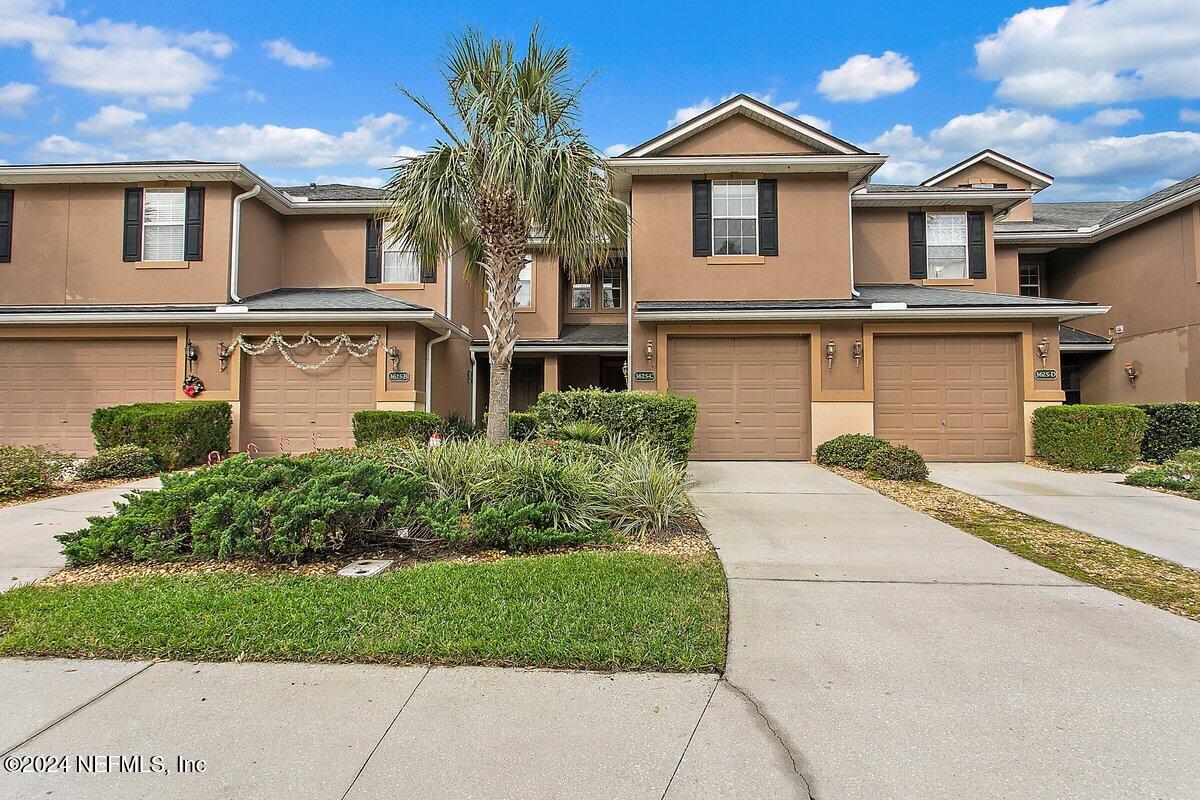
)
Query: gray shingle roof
[
  {"x": 327, "y": 300},
  {"x": 1149, "y": 200},
  {"x": 880, "y": 188},
  {"x": 1069, "y": 335},
  {"x": 333, "y": 191},
  {"x": 1062, "y": 216},
  {"x": 580, "y": 335},
  {"x": 910, "y": 294}
]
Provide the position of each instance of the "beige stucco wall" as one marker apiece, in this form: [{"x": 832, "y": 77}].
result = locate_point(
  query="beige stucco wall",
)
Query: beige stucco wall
[
  {"x": 260, "y": 258},
  {"x": 881, "y": 248},
  {"x": 738, "y": 135},
  {"x": 67, "y": 246},
  {"x": 986, "y": 173},
  {"x": 830, "y": 420}
]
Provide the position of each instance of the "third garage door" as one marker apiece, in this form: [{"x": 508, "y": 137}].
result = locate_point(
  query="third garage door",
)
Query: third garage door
[
  {"x": 950, "y": 398},
  {"x": 753, "y": 393}
]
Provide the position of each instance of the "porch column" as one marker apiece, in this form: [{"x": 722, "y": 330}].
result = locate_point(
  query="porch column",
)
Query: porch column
[{"x": 550, "y": 373}]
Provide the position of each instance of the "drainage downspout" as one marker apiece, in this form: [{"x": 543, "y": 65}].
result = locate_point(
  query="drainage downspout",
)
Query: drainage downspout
[
  {"x": 429, "y": 368},
  {"x": 850, "y": 217},
  {"x": 628, "y": 291},
  {"x": 235, "y": 244},
  {"x": 474, "y": 386}
]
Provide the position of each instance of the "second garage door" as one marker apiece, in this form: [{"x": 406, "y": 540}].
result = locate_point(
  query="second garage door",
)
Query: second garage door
[
  {"x": 950, "y": 398},
  {"x": 753, "y": 393},
  {"x": 49, "y": 387},
  {"x": 279, "y": 400}
]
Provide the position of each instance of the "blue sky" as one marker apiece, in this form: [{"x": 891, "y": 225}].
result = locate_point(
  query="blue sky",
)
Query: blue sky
[{"x": 1103, "y": 95}]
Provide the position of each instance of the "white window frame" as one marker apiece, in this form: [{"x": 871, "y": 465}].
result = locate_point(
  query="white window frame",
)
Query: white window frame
[
  {"x": 392, "y": 244},
  {"x": 616, "y": 277},
  {"x": 181, "y": 224},
  {"x": 523, "y": 280},
  {"x": 929, "y": 258},
  {"x": 741, "y": 216},
  {"x": 582, "y": 286},
  {"x": 1037, "y": 282}
]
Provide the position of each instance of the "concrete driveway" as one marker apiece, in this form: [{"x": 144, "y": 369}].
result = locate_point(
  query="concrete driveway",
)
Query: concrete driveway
[
  {"x": 1164, "y": 525},
  {"x": 28, "y": 549},
  {"x": 898, "y": 657}
]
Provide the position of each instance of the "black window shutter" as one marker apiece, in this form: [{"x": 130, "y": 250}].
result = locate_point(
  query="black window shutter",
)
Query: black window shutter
[
  {"x": 429, "y": 272},
  {"x": 133, "y": 225},
  {"x": 193, "y": 227},
  {"x": 768, "y": 218},
  {"x": 702, "y": 218},
  {"x": 976, "y": 250},
  {"x": 374, "y": 251},
  {"x": 916, "y": 245},
  {"x": 6, "y": 225}
]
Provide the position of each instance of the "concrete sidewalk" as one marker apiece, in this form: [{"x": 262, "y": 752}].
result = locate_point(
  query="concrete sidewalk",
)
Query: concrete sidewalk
[
  {"x": 1161, "y": 524},
  {"x": 312, "y": 731},
  {"x": 28, "y": 549},
  {"x": 898, "y": 657}
]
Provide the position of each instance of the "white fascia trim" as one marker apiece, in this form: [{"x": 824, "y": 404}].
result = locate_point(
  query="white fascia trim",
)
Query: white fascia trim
[
  {"x": 1098, "y": 232},
  {"x": 964, "y": 197},
  {"x": 1085, "y": 348},
  {"x": 733, "y": 106},
  {"x": 999, "y": 160},
  {"x": 429, "y": 319},
  {"x": 649, "y": 164},
  {"x": 767, "y": 315},
  {"x": 551, "y": 349}
]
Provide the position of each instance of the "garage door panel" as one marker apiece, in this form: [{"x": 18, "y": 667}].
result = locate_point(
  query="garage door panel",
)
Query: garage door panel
[
  {"x": 969, "y": 413},
  {"x": 759, "y": 406}
]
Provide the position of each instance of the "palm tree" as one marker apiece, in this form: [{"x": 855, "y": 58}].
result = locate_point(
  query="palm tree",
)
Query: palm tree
[{"x": 514, "y": 161}]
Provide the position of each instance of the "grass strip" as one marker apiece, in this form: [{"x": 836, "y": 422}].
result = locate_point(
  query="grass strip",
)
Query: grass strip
[
  {"x": 592, "y": 610},
  {"x": 1090, "y": 559}
]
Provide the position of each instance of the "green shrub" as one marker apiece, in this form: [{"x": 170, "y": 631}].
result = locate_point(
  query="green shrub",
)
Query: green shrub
[
  {"x": 666, "y": 420},
  {"x": 122, "y": 461},
  {"x": 850, "y": 450},
  {"x": 1089, "y": 436},
  {"x": 455, "y": 426},
  {"x": 648, "y": 490},
  {"x": 522, "y": 425},
  {"x": 1172, "y": 427},
  {"x": 897, "y": 463},
  {"x": 27, "y": 469},
  {"x": 512, "y": 525},
  {"x": 1180, "y": 474},
  {"x": 584, "y": 431},
  {"x": 178, "y": 434},
  {"x": 378, "y": 426}
]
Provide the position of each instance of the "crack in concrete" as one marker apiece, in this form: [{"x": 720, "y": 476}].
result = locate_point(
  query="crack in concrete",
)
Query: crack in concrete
[
  {"x": 688, "y": 746},
  {"x": 386, "y": 731},
  {"x": 775, "y": 730}
]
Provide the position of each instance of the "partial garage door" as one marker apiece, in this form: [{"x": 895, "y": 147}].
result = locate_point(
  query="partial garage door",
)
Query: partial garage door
[
  {"x": 950, "y": 398},
  {"x": 279, "y": 400},
  {"x": 49, "y": 387},
  {"x": 753, "y": 393}
]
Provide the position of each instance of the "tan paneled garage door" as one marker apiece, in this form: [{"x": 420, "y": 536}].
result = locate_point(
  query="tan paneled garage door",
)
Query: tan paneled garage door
[
  {"x": 753, "y": 393},
  {"x": 950, "y": 398},
  {"x": 279, "y": 400},
  {"x": 49, "y": 387}
]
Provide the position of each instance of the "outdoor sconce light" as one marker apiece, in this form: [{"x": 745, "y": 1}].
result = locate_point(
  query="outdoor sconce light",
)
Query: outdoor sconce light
[
  {"x": 223, "y": 354},
  {"x": 856, "y": 351},
  {"x": 189, "y": 353},
  {"x": 830, "y": 351},
  {"x": 1043, "y": 348},
  {"x": 649, "y": 351},
  {"x": 393, "y": 353},
  {"x": 1131, "y": 372}
]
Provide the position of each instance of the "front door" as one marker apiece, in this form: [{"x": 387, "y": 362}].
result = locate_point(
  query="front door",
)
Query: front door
[
  {"x": 526, "y": 382},
  {"x": 612, "y": 373}
]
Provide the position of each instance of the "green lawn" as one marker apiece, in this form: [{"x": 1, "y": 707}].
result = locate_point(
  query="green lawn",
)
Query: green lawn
[{"x": 595, "y": 610}]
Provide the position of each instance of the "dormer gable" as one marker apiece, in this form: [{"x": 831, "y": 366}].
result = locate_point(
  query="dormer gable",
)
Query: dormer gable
[{"x": 989, "y": 169}]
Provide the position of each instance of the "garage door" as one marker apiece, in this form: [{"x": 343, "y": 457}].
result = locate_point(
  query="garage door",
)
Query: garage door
[
  {"x": 950, "y": 398},
  {"x": 279, "y": 400},
  {"x": 49, "y": 387},
  {"x": 753, "y": 393}
]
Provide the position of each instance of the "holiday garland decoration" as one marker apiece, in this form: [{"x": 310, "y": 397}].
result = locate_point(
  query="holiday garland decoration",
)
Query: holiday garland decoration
[{"x": 334, "y": 345}]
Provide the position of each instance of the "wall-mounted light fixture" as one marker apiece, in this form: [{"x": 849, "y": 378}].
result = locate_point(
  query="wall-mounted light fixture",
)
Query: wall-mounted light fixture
[
  {"x": 1131, "y": 372},
  {"x": 224, "y": 354},
  {"x": 649, "y": 351},
  {"x": 856, "y": 350},
  {"x": 393, "y": 353},
  {"x": 189, "y": 353},
  {"x": 1043, "y": 349},
  {"x": 830, "y": 352}
]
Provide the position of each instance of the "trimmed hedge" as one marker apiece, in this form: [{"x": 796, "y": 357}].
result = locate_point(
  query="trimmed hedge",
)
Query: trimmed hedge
[
  {"x": 179, "y": 434},
  {"x": 897, "y": 463},
  {"x": 1089, "y": 436},
  {"x": 1173, "y": 427},
  {"x": 384, "y": 426},
  {"x": 850, "y": 450},
  {"x": 122, "y": 461},
  {"x": 666, "y": 420}
]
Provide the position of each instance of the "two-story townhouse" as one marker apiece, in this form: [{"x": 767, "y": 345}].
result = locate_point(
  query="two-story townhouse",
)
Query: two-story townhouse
[{"x": 763, "y": 273}]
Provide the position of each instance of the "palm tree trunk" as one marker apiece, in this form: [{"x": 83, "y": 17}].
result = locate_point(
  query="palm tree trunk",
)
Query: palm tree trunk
[{"x": 501, "y": 279}]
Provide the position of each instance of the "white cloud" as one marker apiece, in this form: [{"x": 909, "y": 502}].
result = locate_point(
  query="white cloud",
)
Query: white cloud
[
  {"x": 1189, "y": 115},
  {"x": 284, "y": 51},
  {"x": 15, "y": 96},
  {"x": 1095, "y": 52},
  {"x": 371, "y": 142},
  {"x": 253, "y": 96},
  {"x": 110, "y": 121},
  {"x": 682, "y": 115},
  {"x": 908, "y": 155},
  {"x": 123, "y": 59},
  {"x": 999, "y": 129},
  {"x": 865, "y": 77},
  {"x": 1114, "y": 117},
  {"x": 615, "y": 149}
]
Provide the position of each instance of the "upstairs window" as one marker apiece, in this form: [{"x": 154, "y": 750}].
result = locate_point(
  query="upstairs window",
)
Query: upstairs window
[
  {"x": 735, "y": 218},
  {"x": 525, "y": 284},
  {"x": 581, "y": 296},
  {"x": 946, "y": 241},
  {"x": 400, "y": 263},
  {"x": 1030, "y": 281},
  {"x": 163, "y": 217},
  {"x": 611, "y": 287}
]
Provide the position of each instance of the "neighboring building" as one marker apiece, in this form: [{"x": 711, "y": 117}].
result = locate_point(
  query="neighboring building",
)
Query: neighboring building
[{"x": 764, "y": 275}]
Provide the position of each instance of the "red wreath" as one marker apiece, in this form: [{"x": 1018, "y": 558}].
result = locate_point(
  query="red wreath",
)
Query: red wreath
[{"x": 192, "y": 385}]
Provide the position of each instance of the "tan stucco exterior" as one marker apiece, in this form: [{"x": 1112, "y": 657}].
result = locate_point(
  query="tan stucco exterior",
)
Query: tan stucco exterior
[
  {"x": 881, "y": 249},
  {"x": 738, "y": 135},
  {"x": 983, "y": 172}
]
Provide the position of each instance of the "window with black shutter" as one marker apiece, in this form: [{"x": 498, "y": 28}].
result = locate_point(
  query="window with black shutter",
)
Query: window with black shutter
[
  {"x": 768, "y": 218},
  {"x": 132, "y": 249},
  {"x": 701, "y": 218},
  {"x": 193, "y": 224},
  {"x": 6, "y": 225},
  {"x": 917, "y": 268}
]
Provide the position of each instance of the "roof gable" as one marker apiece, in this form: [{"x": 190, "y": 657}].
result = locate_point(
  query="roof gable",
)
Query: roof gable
[
  {"x": 990, "y": 166},
  {"x": 789, "y": 129}
]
